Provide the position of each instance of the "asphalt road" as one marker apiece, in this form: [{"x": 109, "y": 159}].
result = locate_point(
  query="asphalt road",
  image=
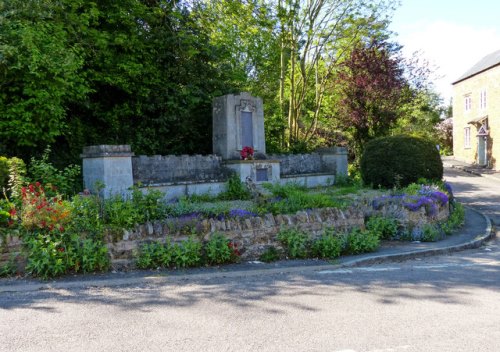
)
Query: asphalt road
[{"x": 446, "y": 303}]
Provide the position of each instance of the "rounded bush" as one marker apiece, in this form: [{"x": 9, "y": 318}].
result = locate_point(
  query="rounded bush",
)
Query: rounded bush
[{"x": 399, "y": 161}]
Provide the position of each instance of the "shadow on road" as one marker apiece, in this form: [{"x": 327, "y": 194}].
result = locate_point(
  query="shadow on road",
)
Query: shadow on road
[{"x": 274, "y": 294}]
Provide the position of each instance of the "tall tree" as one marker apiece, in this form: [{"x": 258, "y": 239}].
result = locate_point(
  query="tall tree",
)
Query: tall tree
[{"x": 373, "y": 88}]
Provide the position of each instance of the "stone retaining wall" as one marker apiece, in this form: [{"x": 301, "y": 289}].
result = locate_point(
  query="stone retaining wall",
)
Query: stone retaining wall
[{"x": 254, "y": 234}]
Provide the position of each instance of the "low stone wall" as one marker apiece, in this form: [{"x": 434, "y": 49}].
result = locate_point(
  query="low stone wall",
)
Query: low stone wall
[
  {"x": 11, "y": 251},
  {"x": 296, "y": 164},
  {"x": 331, "y": 161},
  {"x": 171, "y": 169},
  {"x": 254, "y": 234}
]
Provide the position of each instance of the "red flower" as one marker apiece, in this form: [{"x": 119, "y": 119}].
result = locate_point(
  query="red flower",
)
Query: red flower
[
  {"x": 37, "y": 184},
  {"x": 61, "y": 228},
  {"x": 12, "y": 212},
  {"x": 60, "y": 249}
]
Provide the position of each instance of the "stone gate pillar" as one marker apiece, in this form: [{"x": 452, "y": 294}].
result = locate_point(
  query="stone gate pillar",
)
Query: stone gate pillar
[{"x": 110, "y": 165}]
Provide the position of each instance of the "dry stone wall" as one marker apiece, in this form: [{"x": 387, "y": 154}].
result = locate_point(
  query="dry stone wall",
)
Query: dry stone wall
[{"x": 253, "y": 235}]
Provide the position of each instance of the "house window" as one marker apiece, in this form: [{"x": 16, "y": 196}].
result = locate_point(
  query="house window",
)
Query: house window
[
  {"x": 482, "y": 99},
  {"x": 468, "y": 102},
  {"x": 467, "y": 137}
]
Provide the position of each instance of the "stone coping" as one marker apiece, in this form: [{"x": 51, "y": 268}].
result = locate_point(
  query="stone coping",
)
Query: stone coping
[
  {"x": 179, "y": 183},
  {"x": 309, "y": 175},
  {"x": 253, "y": 161}
]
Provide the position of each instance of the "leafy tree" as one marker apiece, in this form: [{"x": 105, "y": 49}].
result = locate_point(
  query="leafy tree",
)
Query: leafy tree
[{"x": 373, "y": 87}]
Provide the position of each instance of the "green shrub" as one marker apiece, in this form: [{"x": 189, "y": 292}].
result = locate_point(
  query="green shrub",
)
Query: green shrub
[
  {"x": 296, "y": 242},
  {"x": 271, "y": 254},
  {"x": 187, "y": 253},
  {"x": 397, "y": 161},
  {"x": 17, "y": 173},
  {"x": 220, "y": 250},
  {"x": 150, "y": 204},
  {"x": 92, "y": 256},
  {"x": 235, "y": 189},
  {"x": 121, "y": 213},
  {"x": 4, "y": 172},
  {"x": 86, "y": 217},
  {"x": 329, "y": 246},
  {"x": 430, "y": 233},
  {"x": 455, "y": 220},
  {"x": 67, "y": 181},
  {"x": 358, "y": 241},
  {"x": 53, "y": 254},
  {"x": 383, "y": 228},
  {"x": 155, "y": 255}
]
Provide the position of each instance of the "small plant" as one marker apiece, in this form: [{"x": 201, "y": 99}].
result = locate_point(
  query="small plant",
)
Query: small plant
[
  {"x": 430, "y": 233},
  {"x": 121, "y": 213},
  {"x": 220, "y": 250},
  {"x": 155, "y": 255},
  {"x": 359, "y": 241},
  {"x": 67, "y": 181},
  {"x": 235, "y": 189},
  {"x": 297, "y": 243},
  {"x": 92, "y": 256},
  {"x": 9, "y": 268},
  {"x": 271, "y": 254},
  {"x": 48, "y": 255},
  {"x": 329, "y": 245},
  {"x": 150, "y": 204},
  {"x": 383, "y": 228},
  {"x": 187, "y": 253}
]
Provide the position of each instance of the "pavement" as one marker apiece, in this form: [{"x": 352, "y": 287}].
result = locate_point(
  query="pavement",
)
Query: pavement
[
  {"x": 451, "y": 162},
  {"x": 475, "y": 232}
]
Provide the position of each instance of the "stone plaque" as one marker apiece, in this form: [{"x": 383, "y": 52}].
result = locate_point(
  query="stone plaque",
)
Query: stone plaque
[
  {"x": 246, "y": 129},
  {"x": 261, "y": 175}
]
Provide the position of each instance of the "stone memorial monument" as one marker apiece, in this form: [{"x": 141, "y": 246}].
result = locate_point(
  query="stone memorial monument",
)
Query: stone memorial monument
[{"x": 238, "y": 122}]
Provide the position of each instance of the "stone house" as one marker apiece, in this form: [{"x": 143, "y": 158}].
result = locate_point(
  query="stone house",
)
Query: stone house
[{"x": 476, "y": 113}]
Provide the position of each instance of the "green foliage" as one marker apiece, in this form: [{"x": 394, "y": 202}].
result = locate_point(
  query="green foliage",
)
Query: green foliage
[
  {"x": 66, "y": 181},
  {"x": 359, "y": 241},
  {"x": 47, "y": 256},
  {"x": 150, "y": 204},
  {"x": 328, "y": 246},
  {"x": 299, "y": 201},
  {"x": 219, "y": 250},
  {"x": 9, "y": 268},
  {"x": 456, "y": 219},
  {"x": 297, "y": 243},
  {"x": 86, "y": 217},
  {"x": 430, "y": 233},
  {"x": 91, "y": 256},
  {"x": 55, "y": 254},
  {"x": 121, "y": 213},
  {"x": 17, "y": 173},
  {"x": 235, "y": 189},
  {"x": 383, "y": 228},
  {"x": 187, "y": 253},
  {"x": 400, "y": 161},
  {"x": 155, "y": 255},
  {"x": 271, "y": 254},
  {"x": 4, "y": 172}
]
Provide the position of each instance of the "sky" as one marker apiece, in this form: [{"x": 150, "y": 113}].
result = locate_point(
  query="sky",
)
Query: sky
[{"x": 452, "y": 35}]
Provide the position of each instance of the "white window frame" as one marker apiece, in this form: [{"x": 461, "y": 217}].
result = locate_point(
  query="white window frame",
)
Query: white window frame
[
  {"x": 482, "y": 99},
  {"x": 468, "y": 102},
  {"x": 467, "y": 137}
]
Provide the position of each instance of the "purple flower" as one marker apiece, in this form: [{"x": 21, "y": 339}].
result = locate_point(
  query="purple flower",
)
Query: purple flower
[
  {"x": 440, "y": 196},
  {"x": 241, "y": 213}
]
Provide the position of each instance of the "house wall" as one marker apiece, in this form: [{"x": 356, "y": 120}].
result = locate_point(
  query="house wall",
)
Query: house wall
[{"x": 489, "y": 81}]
